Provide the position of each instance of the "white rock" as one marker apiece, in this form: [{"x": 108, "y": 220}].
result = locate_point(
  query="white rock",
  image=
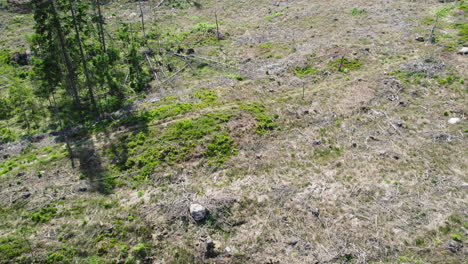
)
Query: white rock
[
  {"x": 454, "y": 120},
  {"x": 463, "y": 50},
  {"x": 198, "y": 212}
]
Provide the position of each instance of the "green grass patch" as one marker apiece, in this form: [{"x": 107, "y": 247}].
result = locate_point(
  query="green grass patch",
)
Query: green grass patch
[
  {"x": 11, "y": 248},
  {"x": 142, "y": 153},
  {"x": 206, "y": 96},
  {"x": 235, "y": 76},
  {"x": 304, "y": 71},
  {"x": 345, "y": 64},
  {"x": 6, "y": 135},
  {"x": 220, "y": 148},
  {"x": 273, "y": 15},
  {"x": 358, "y": 12},
  {"x": 43, "y": 214},
  {"x": 265, "y": 122}
]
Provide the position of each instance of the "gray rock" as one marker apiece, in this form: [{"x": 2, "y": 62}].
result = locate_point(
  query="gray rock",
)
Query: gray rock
[
  {"x": 453, "y": 246},
  {"x": 463, "y": 51},
  {"x": 198, "y": 212},
  {"x": 26, "y": 195}
]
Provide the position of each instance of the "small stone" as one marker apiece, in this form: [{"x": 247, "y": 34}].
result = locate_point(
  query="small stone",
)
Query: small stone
[
  {"x": 316, "y": 143},
  {"x": 82, "y": 188},
  {"x": 420, "y": 39},
  {"x": 258, "y": 156},
  {"x": 198, "y": 212},
  {"x": 454, "y": 120},
  {"x": 463, "y": 51},
  {"x": 262, "y": 198},
  {"x": 315, "y": 211},
  {"x": 292, "y": 241},
  {"x": 26, "y": 195}
]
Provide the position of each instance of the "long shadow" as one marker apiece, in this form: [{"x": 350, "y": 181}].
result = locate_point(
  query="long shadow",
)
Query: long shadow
[
  {"x": 90, "y": 165},
  {"x": 89, "y": 159}
]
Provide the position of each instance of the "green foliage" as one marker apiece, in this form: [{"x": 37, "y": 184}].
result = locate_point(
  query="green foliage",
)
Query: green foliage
[
  {"x": 267, "y": 45},
  {"x": 265, "y": 122},
  {"x": 140, "y": 251},
  {"x": 166, "y": 111},
  {"x": 174, "y": 144},
  {"x": 304, "y": 71},
  {"x": 273, "y": 15},
  {"x": 207, "y": 96},
  {"x": 345, "y": 63},
  {"x": 6, "y": 135},
  {"x": 220, "y": 148},
  {"x": 12, "y": 247},
  {"x": 55, "y": 257},
  {"x": 235, "y": 76},
  {"x": 463, "y": 6},
  {"x": 358, "y": 12},
  {"x": 444, "y": 11},
  {"x": 181, "y": 3},
  {"x": 190, "y": 129},
  {"x": 450, "y": 80},
  {"x": 43, "y": 214},
  {"x": 463, "y": 33},
  {"x": 138, "y": 77}
]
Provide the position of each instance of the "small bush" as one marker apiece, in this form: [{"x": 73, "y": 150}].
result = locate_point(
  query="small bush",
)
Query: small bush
[
  {"x": 10, "y": 248},
  {"x": 265, "y": 122},
  {"x": 6, "y": 135},
  {"x": 44, "y": 214},
  {"x": 303, "y": 71},
  {"x": 220, "y": 148},
  {"x": 358, "y": 12},
  {"x": 346, "y": 64}
]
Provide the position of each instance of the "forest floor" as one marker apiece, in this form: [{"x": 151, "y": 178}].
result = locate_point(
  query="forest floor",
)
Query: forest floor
[{"x": 330, "y": 124}]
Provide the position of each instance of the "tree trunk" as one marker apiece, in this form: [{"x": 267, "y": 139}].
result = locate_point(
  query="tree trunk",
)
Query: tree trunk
[
  {"x": 100, "y": 26},
  {"x": 70, "y": 71},
  {"x": 142, "y": 21},
  {"x": 83, "y": 59}
]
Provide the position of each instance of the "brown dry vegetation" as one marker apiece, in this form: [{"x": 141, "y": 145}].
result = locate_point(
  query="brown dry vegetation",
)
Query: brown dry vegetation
[{"x": 363, "y": 166}]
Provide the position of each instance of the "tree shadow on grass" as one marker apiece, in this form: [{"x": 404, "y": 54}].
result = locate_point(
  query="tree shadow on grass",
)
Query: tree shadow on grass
[{"x": 90, "y": 166}]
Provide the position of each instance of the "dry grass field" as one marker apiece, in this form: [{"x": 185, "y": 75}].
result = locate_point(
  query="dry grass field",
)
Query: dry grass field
[{"x": 330, "y": 120}]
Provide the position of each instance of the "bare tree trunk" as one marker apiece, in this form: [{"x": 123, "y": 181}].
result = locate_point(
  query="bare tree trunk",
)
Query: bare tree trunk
[
  {"x": 142, "y": 21},
  {"x": 218, "y": 36},
  {"x": 431, "y": 37},
  {"x": 83, "y": 59},
  {"x": 341, "y": 63}
]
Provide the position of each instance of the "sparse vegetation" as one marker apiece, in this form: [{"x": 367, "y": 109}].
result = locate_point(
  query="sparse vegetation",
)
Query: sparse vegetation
[{"x": 183, "y": 131}]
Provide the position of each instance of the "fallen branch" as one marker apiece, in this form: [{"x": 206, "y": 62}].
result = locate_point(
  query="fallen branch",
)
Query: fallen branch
[{"x": 173, "y": 75}]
